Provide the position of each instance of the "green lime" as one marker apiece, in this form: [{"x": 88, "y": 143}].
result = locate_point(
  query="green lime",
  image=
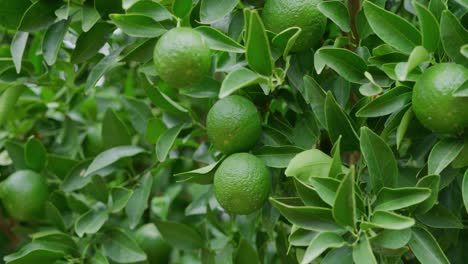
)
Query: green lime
[
  {"x": 433, "y": 103},
  {"x": 24, "y": 194},
  {"x": 233, "y": 124},
  {"x": 279, "y": 15},
  {"x": 242, "y": 183},
  {"x": 182, "y": 57},
  {"x": 155, "y": 247}
]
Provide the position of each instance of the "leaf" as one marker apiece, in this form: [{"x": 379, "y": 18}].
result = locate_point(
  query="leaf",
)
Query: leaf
[
  {"x": 339, "y": 124},
  {"x": 36, "y": 252},
  {"x": 320, "y": 243},
  {"x": 89, "y": 16},
  {"x": 140, "y": 113},
  {"x": 390, "y": 102},
  {"x": 54, "y": 216},
  {"x": 163, "y": 101},
  {"x": 392, "y": 239},
  {"x": 403, "y": 126},
  {"x": 391, "y": 28},
  {"x": 315, "y": 96},
  {"x": 258, "y": 52},
  {"x": 453, "y": 36},
  {"x": 326, "y": 188},
  {"x": 308, "y": 195},
  {"x": 35, "y": 154},
  {"x": 207, "y": 88},
  {"x": 202, "y": 175},
  {"x": 429, "y": 27},
  {"x": 150, "y": 9},
  {"x": 119, "y": 198},
  {"x": 277, "y": 157},
  {"x": 139, "y": 26},
  {"x": 381, "y": 164},
  {"x": 53, "y": 39},
  {"x": 138, "y": 203},
  {"x": 217, "y": 40},
  {"x": 398, "y": 198},
  {"x": 308, "y": 217},
  {"x": 112, "y": 125},
  {"x": 91, "y": 222},
  {"x": 285, "y": 40},
  {"x": 104, "y": 65},
  {"x": 246, "y": 253},
  {"x": 110, "y": 156},
  {"x": 166, "y": 141},
  {"x": 75, "y": 179},
  {"x": 12, "y": 12},
  {"x": 342, "y": 255},
  {"x": 18, "y": 44},
  {"x": 344, "y": 206},
  {"x": 181, "y": 8},
  {"x": 120, "y": 247},
  {"x": 432, "y": 182},
  {"x": 336, "y": 167},
  {"x": 440, "y": 217},
  {"x": 346, "y": 63},
  {"x": 214, "y": 10},
  {"x": 337, "y": 12},
  {"x": 362, "y": 252},
  {"x": 425, "y": 247},
  {"x": 442, "y": 154},
  {"x": 388, "y": 221},
  {"x": 309, "y": 163},
  {"x": 417, "y": 56},
  {"x": 39, "y": 15},
  {"x": 180, "y": 235},
  {"x": 465, "y": 190},
  {"x": 370, "y": 89},
  {"x": 89, "y": 43},
  {"x": 15, "y": 152},
  {"x": 237, "y": 79}
]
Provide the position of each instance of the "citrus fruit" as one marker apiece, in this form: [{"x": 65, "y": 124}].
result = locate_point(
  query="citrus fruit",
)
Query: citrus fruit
[
  {"x": 233, "y": 124},
  {"x": 433, "y": 103},
  {"x": 242, "y": 183},
  {"x": 23, "y": 194},
  {"x": 182, "y": 57},
  {"x": 279, "y": 15},
  {"x": 155, "y": 247}
]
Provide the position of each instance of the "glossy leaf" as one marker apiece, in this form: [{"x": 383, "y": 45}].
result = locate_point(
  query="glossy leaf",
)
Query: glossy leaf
[
  {"x": 90, "y": 222},
  {"x": 217, "y": 40},
  {"x": 432, "y": 182},
  {"x": 344, "y": 206},
  {"x": 398, "y": 198},
  {"x": 390, "y": 102},
  {"x": 138, "y": 202},
  {"x": 166, "y": 141},
  {"x": 346, "y": 63},
  {"x": 181, "y": 8},
  {"x": 326, "y": 188},
  {"x": 362, "y": 252},
  {"x": 120, "y": 247},
  {"x": 214, "y": 10},
  {"x": 453, "y": 36},
  {"x": 442, "y": 154},
  {"x": 113, "y": 125},
  {"x": 150, "y": 9},
  {"x": 315, "y": 96},
  {"x": 425, "y": 247},
  {"x": 285, "y": 40},
  {"x": 440, "y": 217},
  {"x": 89, "y": 43},
  {"x": 112, "y": 155},
  {"x": 309, "y": 163},
  {"x": 238, "y": 79},
  {"x": 277, "y": 157},
  {"x": 35, "y": 154},
  {"x": 465, "y": 190},
  {"x": 392, "y": 239},
  {"x": 389, "y": 221},
  {"x": 337, "y": 12},
  {"x": 319, "y": 244},
  {"x": 53, "y": 39},
  {"x": 180, "y": 235},
  {"x": 138, "y": 25},
  {"x": 39, "y": 15},
  {"x": 429, "y": 27},
  {"x": 34, "y": 252},
  {"x": 258, "y": 52},
  {"x": 403, "y": 126},
  {"x": 18, "y": 44}
]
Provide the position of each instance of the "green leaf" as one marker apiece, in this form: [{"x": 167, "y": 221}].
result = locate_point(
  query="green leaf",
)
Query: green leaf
[
  {"x": 139, "y": 113},
  {"x": 217, "y": 40},
  {"x": 111, "y": 156},
  {"x": 39, "y": 15},
  {"x": 388, "y": 221},
  {"x": 403, "y": 126},
  {"x": 246, "y": 253},
  {"x": 336, "y": 167},
  {"x": 315, "y": 96},
  {"x": 120, "y": 247},
  {"x": 398, "y": 198},
  {"x": 74, "y": 180},
  {"x": 308, "y": 217},
  {"x": 180, "y": 235},
  {"x": 258, "y": 52},
  {"x": 214, "y": 10},
  {"x": 277, "y": 157},
  {"x": 138, "y": 203},
  {"x": 91, "y": 222},
  {"x": 237, "y": 79},
  {"x": 202, "y": 175},
  {"x": 417, "y": 56},
  {"x": 453, "y": 36},
  {"x": 36, "y": 252},
  {"x": 53, "y": 39},
  {"x": 139, "y": 26},
  {"x": 440, "y": 217},
  {"x": 90, "y": 16},
  {"x": 35, "y": 154},
  {"x": 346, "y": 63},
  {"x": 54, "y": 216},
  {"x": 119, "y": 198},
  {"x": 163, "y": 101},
  {"x": 16, "y": 152},
  {"x": 337, "y": 12},
  {"x": 57, "y": 240},
  {"x": 309, "y": 163},
  {"x": 465, "y": 190},
  {"x": 150, "y": 9},
  {"x": 309, "y": 195},
  {"x": 18, "y": 44},
  {"x": 392, "y": 239},
  {"x": 103, "y": 66},
  {"x": 342, "y": 255},
  {"x": 442, "y": 154},
  {"x": 285, "y": 40},
  {"x": 320, "y": 243},
  {"x": 362, "y": 252},
  {"x": 370, "y": 89},
  {"x": 390, "y": 102},
  {"x": 181, "y": 8},
  {"x": 391, "y": 28},
  {"x": 432, "y": 182},
  {"x": 89, "y": 43},
  {"x": 326, "y": 188},
  {"x": 339, "y": 124},
  {"x": 429, "y": 27},
  {"x": 381, "y": 163},
  {"x": 425, "y": 247},
  {"x": 166, "y": 141},
  {"x": 113, "y": 125},
  {"x": 207, "y": 88},
  {"x": 99, "y": 258},
  {"x": 344, "y": 206},
  {"x": 12, "y": 12}
]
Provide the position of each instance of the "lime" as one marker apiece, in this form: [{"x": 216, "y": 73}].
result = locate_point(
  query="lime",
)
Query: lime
[
  {"x": 279, "y": 15},
  {"x": 155, "y": 247},
  {"x": 233, "y": 124},
  {"x": 24, "y": 194},
  {"x": 242, "y": 183},
  {"x": 182, "y": 57},
  {"x": 433, "y": 103}
]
